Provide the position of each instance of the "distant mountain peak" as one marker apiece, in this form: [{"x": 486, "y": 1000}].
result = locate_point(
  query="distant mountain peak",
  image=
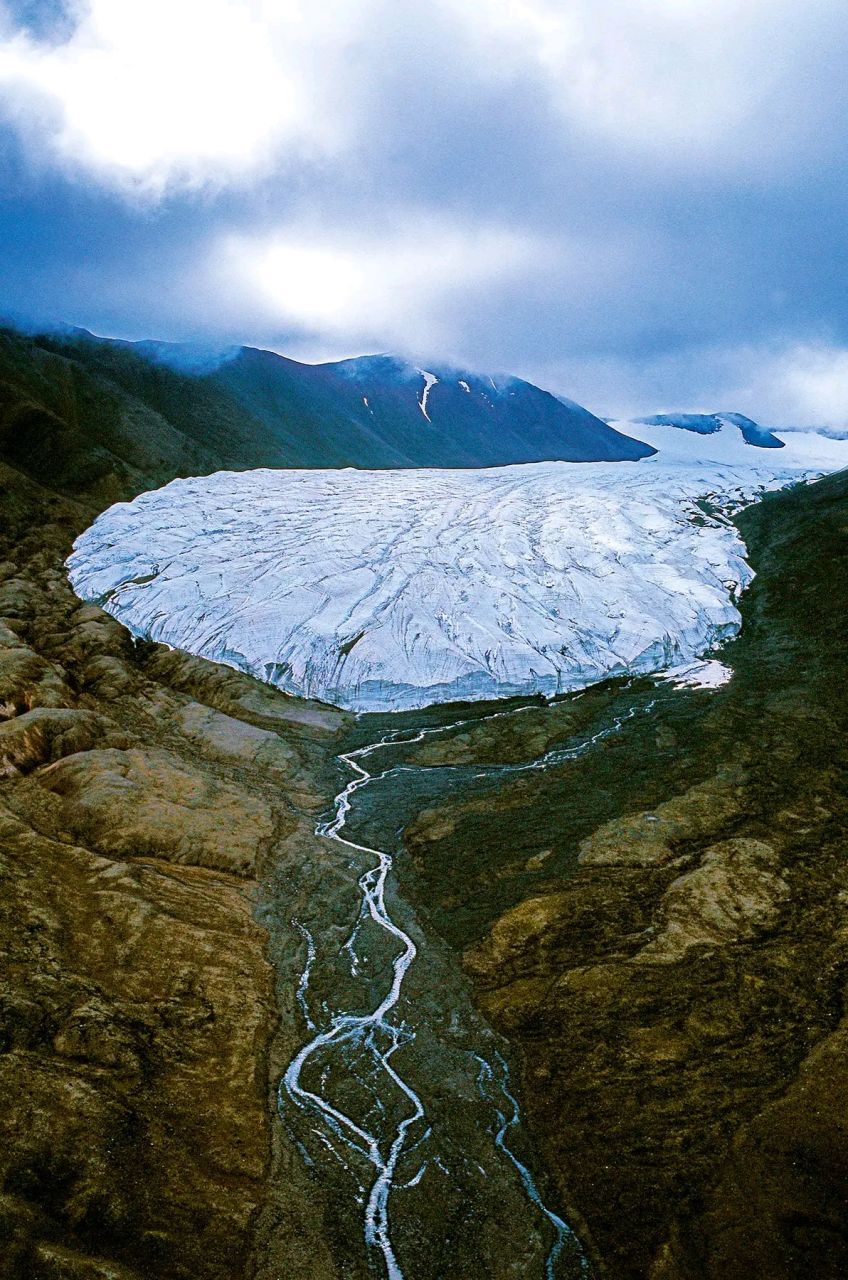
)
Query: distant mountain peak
[{"x": 708, "y": 423}]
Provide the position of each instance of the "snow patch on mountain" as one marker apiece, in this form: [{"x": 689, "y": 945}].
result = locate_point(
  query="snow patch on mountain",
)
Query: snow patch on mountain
[
  {"x": 430, "y": 381},
  {"x": 707, "y": 423},
  {"x": 389, "y": 590}
]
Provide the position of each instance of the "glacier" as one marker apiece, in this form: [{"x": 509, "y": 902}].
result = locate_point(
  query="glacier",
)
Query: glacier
[{"x": 390, "y": 590}]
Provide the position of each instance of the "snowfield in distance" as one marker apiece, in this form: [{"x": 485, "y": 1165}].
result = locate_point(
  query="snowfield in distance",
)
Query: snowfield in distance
[{"x": 386, "y": 590}]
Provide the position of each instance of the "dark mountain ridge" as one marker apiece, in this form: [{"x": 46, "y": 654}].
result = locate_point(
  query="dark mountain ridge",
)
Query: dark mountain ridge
[{"x": 153, "y": 410}]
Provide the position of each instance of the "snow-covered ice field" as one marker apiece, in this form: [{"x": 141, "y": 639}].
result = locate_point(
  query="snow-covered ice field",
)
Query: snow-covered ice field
[{"x": 385, "y": 590}]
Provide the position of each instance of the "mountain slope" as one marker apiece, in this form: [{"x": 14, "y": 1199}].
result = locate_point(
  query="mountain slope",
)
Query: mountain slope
[
  {"x": 165, "y": 409},
  {"x": 142, "y": 796},
  {"x": 379, "y": 411},
  {"x": 76, "y": 413},
  {"x": 723, "y": 441}
]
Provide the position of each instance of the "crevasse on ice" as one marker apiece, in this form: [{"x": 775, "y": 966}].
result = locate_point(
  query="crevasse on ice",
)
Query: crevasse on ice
[{"x": 388, "y": 590}]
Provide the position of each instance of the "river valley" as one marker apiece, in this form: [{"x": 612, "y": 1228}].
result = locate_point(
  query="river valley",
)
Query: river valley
[
  {"x": 650, "y": 934},
  {"x": 360, "y": 1106},
  {"x": 455, "y": 1145}
]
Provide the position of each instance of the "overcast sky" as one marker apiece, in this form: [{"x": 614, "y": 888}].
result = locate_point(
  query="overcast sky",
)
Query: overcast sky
[{"x": 637, "y": 203}]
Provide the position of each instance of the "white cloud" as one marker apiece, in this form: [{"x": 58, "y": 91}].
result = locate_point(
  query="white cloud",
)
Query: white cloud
[
  {"x": 778, "y": 384},
  {"x": 525, "y": 184},
  {"x": 691, "y": 82},
  {"x": 147, "y": 96},
  {"x": 376, "y": 288},
  {"x": 812, "y": 380},
  {"x": 185, "y": 92}
]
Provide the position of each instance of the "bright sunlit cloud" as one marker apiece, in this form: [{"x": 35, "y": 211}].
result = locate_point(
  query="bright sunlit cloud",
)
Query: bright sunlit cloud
[
  {"x": 183, "y": 92},
  {"x": 393, "y": 287}
]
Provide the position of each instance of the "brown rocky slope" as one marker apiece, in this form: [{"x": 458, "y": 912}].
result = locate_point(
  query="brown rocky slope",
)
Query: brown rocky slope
[
  {"x": 142, "y": 797},
  {"x": 673, "y": 976}
]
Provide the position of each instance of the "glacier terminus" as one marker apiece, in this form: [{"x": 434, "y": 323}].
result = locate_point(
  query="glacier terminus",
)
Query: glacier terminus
[{"x": 390, "y": 590}]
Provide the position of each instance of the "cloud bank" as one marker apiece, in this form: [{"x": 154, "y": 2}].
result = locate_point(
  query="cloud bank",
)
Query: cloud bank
[{"x": 637, "y": 202}]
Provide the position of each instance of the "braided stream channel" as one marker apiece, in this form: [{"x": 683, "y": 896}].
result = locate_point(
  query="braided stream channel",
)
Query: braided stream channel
[{"x": 408, "y": 1097}]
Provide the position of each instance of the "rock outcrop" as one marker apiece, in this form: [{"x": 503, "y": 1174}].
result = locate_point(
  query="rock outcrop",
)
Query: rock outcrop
[{"x": 143, "y": 798}]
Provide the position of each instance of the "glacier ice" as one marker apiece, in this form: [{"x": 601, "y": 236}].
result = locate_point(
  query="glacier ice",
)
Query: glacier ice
[{"x": 386, "y": 590}]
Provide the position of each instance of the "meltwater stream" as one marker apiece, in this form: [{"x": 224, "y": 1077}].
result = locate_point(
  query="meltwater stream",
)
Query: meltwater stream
[
  {"x": 378, "y": 1037},
  {"x": 363, "y": 1031}
]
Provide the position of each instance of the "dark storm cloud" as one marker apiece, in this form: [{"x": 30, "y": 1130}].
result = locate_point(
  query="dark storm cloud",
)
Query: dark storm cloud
[{"x": 641, "y": 203}]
